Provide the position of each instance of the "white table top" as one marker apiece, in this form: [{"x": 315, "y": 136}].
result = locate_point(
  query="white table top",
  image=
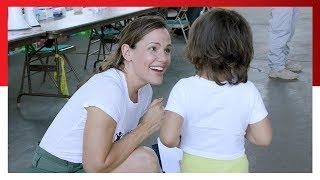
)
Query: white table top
[{"x": 74, "y": 23}]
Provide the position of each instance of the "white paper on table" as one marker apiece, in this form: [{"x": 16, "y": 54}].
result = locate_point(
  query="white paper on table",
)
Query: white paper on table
[{"x": 170, "y": 158}]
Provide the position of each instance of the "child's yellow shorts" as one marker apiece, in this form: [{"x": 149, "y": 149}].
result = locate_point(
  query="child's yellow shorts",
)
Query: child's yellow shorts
[{"x": 197, "y": 164}]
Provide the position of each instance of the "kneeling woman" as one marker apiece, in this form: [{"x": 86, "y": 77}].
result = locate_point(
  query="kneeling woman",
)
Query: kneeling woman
[{"x": 98, "y": 129}]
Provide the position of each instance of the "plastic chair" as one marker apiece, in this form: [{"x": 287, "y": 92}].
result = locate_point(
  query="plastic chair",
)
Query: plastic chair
[
  {"x": 107, "y": 35},
  {"x": 180, "y": 22},
  {"x": 35, "y": 56}
]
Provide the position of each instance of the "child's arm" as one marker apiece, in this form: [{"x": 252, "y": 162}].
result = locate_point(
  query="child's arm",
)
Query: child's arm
[
  {"x": 171, "y": 129},
  {"x": 260, "y": 133}
]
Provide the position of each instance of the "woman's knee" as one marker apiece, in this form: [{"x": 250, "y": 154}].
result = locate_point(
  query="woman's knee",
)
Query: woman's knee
[{"x": 148, "y": 157}]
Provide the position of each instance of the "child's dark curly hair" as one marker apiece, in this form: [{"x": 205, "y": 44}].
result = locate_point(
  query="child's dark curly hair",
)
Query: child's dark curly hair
[{"x": 220, "y": 45}]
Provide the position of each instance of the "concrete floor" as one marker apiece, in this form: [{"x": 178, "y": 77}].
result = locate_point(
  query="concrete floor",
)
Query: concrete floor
[{"x": 288, "y": 103}]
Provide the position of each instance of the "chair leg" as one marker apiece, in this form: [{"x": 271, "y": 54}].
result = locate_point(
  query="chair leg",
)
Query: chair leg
[
  {"x": 110, "y": 50},
  {"x": 45, "y": 72},
  {"x": 57, "y": 62},
  {"x": 88, "y": 50},
  {"x": 184, "y": 34},
  {"x": 104, "y": 50},
  {"x": 104, "y": 53},
  {"x": 171, "y": 31},
  {"x": 23, "y": 73},
  {"x": 29, "y": 75},
  {"x": 71, "y": 67},
  {"x": 51, "y": 77},
  {"x": 98, "y": 58},
  {"x": 99, "y": 51},
  {"x": 95, "y": 65}
]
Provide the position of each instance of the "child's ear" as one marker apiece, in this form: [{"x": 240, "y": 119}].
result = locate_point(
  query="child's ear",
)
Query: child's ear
[{"x": 126, "y": 52}]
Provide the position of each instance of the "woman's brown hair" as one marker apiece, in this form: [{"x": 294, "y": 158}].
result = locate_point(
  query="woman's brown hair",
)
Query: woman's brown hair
[{"x": 220, "y": 45}]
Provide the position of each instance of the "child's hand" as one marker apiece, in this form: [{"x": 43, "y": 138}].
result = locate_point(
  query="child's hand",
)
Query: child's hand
[{"x": 153, "y": 117}]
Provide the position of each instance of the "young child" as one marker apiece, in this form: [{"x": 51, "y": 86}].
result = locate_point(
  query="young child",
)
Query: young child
[{"x": 209, "y": 115}]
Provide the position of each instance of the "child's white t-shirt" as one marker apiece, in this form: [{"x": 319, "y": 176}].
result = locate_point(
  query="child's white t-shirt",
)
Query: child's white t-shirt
[
  {"x": 215, "y": 117},
  {"x": 108, "y": 91}
]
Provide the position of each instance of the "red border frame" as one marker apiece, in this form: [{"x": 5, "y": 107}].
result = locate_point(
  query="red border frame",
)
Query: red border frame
[{"x": 164, "y": 3}]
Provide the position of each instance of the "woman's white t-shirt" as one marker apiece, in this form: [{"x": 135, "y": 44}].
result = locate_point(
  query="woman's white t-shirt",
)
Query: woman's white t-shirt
[
  {"x": 215, "y": 117},
  {"x": 108, "y": 91}
]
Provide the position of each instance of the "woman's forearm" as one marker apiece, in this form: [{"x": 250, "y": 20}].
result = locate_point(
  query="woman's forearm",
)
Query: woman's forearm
[{"x": 122, "y": 149}]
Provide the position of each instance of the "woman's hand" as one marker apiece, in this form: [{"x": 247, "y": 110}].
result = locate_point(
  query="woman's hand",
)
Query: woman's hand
[{"x": 153, "y": 117}]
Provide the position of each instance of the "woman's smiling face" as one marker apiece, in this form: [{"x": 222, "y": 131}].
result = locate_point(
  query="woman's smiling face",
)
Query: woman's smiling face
[{"x": 150, "y": 57}]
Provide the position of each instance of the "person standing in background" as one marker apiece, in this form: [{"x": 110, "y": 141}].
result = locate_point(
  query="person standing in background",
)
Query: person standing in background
[{"x": 281, "y": 30}]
